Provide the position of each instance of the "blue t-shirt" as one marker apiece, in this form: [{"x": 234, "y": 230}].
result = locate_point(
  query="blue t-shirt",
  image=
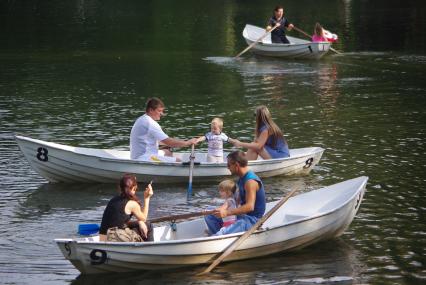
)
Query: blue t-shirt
[
  {"x": 260, "y": 203},
  {"x": 280, "y": 150},
  {"x": 278, "y": 35}
]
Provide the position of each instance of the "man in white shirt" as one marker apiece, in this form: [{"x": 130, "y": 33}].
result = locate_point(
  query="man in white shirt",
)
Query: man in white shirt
[{"x": 146, "y": 135}]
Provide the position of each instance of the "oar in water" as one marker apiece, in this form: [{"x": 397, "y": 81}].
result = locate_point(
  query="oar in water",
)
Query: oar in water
[
  {"x": 306, "y": 34},
  {"x": 191, "y": 168},
  {"x": 242, "y": 238},
  {"x": 258, "y": 40}
]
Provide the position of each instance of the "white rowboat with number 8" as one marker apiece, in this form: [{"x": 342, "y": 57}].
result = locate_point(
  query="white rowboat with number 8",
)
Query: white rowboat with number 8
[{"x": 64, "y": 163}]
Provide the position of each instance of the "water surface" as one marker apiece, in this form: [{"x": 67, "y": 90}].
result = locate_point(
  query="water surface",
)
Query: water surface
[{"x": 80, "y": 72}]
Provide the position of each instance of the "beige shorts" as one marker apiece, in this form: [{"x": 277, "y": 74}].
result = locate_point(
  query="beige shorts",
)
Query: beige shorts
[{"x": 217, "y": 159}]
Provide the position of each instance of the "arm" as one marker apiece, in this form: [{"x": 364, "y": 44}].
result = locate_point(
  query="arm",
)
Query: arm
[
  {"x": 178, "y": 143},
  {"x": 272, "y": 23},
  {"x": 251, "y": 187},
  {"x": 224, "y": 206},
  {"x": 142, "y": 213},
  {"x": 257, "y": 145},
  {"x": 201, "y": 139},
  {"x": 289, "y": 26}
]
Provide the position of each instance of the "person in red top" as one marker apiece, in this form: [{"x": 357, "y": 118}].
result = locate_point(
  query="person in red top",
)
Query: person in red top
[{"x": 318, "y": 35}]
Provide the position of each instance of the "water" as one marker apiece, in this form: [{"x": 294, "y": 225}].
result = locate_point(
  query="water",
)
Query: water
[{"x": 79, "y": 73}]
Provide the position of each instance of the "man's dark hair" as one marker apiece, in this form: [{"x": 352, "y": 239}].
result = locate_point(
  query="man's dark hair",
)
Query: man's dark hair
[
  {"x": 154, "y": 103},
  {"x": 238, "y": 157},
  {"x": 278, "y": 7}
]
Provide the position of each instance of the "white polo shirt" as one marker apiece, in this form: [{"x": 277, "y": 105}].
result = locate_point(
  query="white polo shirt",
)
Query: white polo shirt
[{"x": 144, "y": 137}]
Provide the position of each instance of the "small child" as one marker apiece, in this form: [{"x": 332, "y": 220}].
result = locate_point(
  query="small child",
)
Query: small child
[
  {"x": 318, "y": 35},
  {"x": 215, "y": 139},
  {"x": 227, "y": 190}
]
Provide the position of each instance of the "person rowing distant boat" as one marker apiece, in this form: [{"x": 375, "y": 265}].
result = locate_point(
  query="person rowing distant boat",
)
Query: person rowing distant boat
[{"x": 278, "y": 34}]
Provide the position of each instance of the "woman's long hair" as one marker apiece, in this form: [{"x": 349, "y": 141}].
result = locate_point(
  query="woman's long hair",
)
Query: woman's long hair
[
  {"x": 318, "y": 30},
  {"x": 127, "y": 182},
  {"x": 263, "y": 117}
]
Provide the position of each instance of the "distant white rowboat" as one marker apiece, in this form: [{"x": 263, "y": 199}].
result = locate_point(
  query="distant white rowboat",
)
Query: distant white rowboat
[{"x": 297, "y": 48}]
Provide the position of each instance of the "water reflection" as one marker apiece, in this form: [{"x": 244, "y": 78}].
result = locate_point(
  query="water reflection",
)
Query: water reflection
[
  {"x": 79, "y": 73},
  {"x": 326, "y": 88},
  {"x": 50, "y": 199},
  {"x": 259, "y": 66}
]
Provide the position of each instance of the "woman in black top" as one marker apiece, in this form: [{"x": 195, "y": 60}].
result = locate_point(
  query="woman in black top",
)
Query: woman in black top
[
  {"x": 121, "y": 208},
  {"x": 278, "y": 35}
]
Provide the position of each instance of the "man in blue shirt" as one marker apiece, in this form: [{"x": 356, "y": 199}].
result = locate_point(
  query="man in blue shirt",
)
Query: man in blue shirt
[
  {"x": 252, "y": 200},
  {"x": 278, "y": 35}
]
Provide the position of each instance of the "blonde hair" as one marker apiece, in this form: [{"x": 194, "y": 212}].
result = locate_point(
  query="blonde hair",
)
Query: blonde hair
[
  {"x": 228, "y": 185},
  {"x": 218, "y": 122},
  {"x": 264, "y": 117}
]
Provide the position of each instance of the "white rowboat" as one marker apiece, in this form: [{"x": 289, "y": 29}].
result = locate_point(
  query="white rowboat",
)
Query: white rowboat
[
  {"x": 297, "y": 48},
  {"x": 64, "y": 163},
  {"x": 305, "y": 219}
]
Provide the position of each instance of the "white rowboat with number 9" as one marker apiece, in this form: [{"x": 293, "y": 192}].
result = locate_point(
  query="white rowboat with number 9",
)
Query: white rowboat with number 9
[{"x": 303, "y": 220}]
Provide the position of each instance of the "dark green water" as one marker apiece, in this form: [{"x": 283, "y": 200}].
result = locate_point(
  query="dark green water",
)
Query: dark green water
[{"x": 79, "y": 73}]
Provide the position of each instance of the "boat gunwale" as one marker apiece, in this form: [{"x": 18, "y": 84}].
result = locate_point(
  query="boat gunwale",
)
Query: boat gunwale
[
  {"x": 289, "y": 45},
  {"x": 201, "y": 239}
]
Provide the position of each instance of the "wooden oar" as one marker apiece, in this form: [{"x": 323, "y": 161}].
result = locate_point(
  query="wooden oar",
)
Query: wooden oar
[
  {"x": 181, "y": 217},
  {"x": 191, "y": 168},
  {"x": 89, "y": 229},
  {"x": 303, "y": 32},
  {"x": 258, "y": 40},
  {"x": 242, "y": 238}
]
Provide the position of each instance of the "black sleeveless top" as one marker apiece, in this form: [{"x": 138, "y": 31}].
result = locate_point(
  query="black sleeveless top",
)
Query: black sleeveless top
[{"x": 114, "y": 215}]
